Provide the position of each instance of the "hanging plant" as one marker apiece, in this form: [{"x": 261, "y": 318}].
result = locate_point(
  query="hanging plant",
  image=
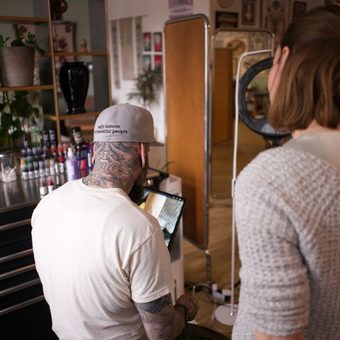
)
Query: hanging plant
[{"x": 147, "y": 83}]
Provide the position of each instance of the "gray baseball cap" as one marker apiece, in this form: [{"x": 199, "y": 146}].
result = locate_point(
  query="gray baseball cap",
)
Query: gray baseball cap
[{"x": 124, "y": 123}]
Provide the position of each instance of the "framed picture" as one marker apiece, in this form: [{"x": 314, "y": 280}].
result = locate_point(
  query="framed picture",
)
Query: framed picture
[
  {"x": 248, "y": 12},
  {"x": 299, "y": 9},
  {"x": 157, "y": 42},
  {"x": 64, "y": 36},
  {"x": 146, "y": 61},
  {"x": 226, "y": 19},
  {"x": 22, "y": 30},
  {"x": 275, "y": 15},
  {"x": 157, "y": 62},
  {"x": 180, "y": 8},
  {"x": 63, "y": 41},
  {"x": 147, "y": 41}
]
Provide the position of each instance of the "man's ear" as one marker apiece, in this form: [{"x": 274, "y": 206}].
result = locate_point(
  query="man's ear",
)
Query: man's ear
[
  {"x": 143, "y": 154},
  {"x": 94, "y": 153}
]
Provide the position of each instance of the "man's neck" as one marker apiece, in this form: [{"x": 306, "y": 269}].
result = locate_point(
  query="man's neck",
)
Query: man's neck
[{"x": 99, "y": 180}]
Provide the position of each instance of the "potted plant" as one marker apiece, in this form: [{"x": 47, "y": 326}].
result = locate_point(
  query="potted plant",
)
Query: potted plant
[
  {"x": 17, "y": 59},
  {"x": 16, "y": 112},
  {"x": 147, "y": 83}
]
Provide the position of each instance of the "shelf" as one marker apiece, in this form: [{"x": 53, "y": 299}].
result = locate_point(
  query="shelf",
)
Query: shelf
[
  {"x": 26, "y": 88},
  {"x": 10, "y": 19},
  {"x": 71, "y": 116},
  {"x": 81, "y": 53},
  {"x": 93, "y": 28}
]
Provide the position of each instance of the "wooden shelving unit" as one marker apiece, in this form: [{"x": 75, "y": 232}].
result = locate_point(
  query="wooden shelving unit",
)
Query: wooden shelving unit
[
  {"x": 27, "y": 88},
  {"x": 71, "y": 117},
  {"x": 32, "y": 20},
  {"x": 82, "y": 53},
  {"x": 99, "y": 57}
]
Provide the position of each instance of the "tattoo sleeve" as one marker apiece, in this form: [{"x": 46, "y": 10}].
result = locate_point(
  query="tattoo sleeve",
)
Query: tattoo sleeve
[{"x": 160, "y": 319}]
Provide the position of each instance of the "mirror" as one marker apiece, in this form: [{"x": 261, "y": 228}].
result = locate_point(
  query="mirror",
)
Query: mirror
[{"x": 228, "y": 45}]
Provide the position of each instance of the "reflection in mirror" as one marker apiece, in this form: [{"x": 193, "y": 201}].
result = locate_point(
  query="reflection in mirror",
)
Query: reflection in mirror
[
  {"x": 253, "y": 102},
  {"x": 228, "y": 45},
  {"x": 256, "y": 96}
]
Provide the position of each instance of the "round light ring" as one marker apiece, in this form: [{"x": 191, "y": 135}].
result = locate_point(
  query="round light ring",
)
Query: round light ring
[{"x": 258, "y": 125}]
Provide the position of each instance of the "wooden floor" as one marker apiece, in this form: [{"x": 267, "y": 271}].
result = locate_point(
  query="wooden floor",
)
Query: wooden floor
[{"x": 220, "y": 217}]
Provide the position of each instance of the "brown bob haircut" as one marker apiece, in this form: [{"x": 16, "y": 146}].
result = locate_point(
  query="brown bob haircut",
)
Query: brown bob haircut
[{"x": 309, "y": 87}]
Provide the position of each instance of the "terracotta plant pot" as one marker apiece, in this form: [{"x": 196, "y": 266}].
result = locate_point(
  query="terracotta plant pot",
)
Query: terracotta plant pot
[{"x": 16, "y": 66}]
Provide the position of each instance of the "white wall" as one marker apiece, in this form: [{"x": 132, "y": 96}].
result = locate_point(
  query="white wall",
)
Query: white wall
[{"x": 154, "y": 15}]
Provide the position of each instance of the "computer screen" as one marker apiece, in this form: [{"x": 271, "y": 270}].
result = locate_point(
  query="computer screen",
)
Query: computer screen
[{"x": 167, "y": 209}]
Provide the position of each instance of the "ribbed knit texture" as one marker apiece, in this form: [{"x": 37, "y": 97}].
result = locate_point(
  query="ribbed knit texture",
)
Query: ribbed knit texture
[{"x": 288, "y": 227}]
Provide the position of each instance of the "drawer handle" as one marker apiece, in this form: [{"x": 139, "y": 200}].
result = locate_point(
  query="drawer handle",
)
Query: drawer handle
[
  {"x": 15, "y": 224},
  {"x": 17, "y": 272},
  {"x": 19, "y": 287},
  {"x": 16, "y": 255},
  {"x": 21, "y": 305}
]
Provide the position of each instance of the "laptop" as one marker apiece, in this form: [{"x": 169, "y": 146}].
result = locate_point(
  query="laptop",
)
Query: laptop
[{"x": 167, "y": 209}]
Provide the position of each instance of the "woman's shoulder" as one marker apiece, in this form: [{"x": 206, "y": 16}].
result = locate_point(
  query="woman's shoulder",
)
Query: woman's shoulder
[{"x": 282, "y": 164}]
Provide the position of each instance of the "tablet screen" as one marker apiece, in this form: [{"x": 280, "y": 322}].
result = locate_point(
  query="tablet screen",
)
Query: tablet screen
[{"x": 167, "y": 209}]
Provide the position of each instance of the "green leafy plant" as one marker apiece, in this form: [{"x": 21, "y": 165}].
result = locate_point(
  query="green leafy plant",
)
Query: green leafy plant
[
  {"x": 14, "y": 109},
  {"x": 147, "y": 84},
  {"x": 29, "y": 40}
]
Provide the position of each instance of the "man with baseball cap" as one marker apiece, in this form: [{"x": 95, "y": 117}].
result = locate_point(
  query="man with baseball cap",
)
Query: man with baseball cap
[{"x": 102, "y": 260}]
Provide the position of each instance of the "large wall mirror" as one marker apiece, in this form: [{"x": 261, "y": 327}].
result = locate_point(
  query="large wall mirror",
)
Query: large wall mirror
[{"x": 228, "y": 46}]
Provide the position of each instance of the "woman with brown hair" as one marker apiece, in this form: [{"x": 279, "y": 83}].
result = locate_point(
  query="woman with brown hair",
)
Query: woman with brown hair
[{"x": 288, "y": 198}]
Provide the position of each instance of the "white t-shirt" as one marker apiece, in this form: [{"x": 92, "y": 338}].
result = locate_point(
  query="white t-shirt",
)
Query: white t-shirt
[{"x": 96, "y": 253}]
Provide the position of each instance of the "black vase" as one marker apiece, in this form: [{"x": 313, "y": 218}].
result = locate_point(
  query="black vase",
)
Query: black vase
[{"x": 74, "y": 83}]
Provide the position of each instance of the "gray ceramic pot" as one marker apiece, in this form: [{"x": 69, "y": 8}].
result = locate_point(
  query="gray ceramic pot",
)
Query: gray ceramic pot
[{"x": 16, "y": 66}]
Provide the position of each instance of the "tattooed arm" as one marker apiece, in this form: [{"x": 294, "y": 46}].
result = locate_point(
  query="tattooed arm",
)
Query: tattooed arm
[{"x": 162, "y": 320}]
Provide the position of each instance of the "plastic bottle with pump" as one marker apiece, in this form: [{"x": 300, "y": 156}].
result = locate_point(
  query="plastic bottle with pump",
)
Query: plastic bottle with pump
[{"x": 71, "y": 165}]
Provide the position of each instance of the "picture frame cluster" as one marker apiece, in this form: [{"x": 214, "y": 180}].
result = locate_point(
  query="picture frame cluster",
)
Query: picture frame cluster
[
  {"x": 274, "y": 15},
  {"x": 153, "y": 51}
]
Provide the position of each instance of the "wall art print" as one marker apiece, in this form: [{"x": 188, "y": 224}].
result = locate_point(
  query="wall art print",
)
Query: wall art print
[
  {"x": 248, "y": 12},
  {"x": 226, "y": 19},
  {"x": 157, "y": 42},
  {"x": 147, "y": 41},
  {"x": 275, "y": 15}
]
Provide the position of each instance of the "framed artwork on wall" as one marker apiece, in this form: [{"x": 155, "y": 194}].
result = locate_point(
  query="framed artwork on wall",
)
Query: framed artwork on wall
[
  {"x": 275, "y": 15},
  {"x": 299, "y": 9},
  {"x": 64, "y": 36},
  {"x": 147, "y": 41},
  {"x": 226, "y": 19},
  {"x": 157, "y": 62},
  {"x": 146, "y": 61},
  {"x": 180, "y": 8},
  {"x": 248, "y": 12},
  {"x": 157, "y": 42},
  {"x": 63, "y": 41}
]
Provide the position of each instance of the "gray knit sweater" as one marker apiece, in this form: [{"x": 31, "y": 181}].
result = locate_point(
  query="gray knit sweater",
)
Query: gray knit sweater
[{"x": 288, "y": 227}]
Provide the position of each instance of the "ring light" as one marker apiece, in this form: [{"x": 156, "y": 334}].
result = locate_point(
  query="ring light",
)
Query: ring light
[{"x": 258, "y": 125}]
